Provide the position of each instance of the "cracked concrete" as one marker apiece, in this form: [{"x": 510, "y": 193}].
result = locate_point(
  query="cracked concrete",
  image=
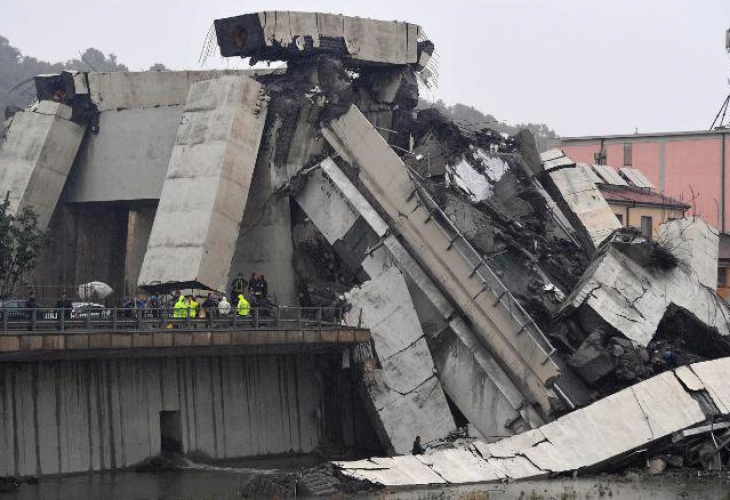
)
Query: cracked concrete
[
  {"x": 634, "y": 297},
  {"x": 590, "y": 438}
]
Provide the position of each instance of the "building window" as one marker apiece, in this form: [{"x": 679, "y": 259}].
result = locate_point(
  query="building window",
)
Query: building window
[
  {"x": 721, "y": 276},
  {"x": 620, "y": 218},
  {"x": 646, "y": 226},
  {"x": 599, "y": 158},
  {"x": 628, "y": 153}
]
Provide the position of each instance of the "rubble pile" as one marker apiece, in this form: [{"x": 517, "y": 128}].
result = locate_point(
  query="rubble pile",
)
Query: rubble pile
[{"x": 499, "y": 288}]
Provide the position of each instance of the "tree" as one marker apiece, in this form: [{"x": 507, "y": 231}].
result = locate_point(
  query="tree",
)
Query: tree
[{"x": 20, "y": 244}]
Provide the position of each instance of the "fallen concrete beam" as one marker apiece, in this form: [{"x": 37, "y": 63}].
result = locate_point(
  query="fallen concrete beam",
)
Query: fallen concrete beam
[
  {"x": 576, "y": 194},
  {"x": 510, "y": 334},
  {"x": 469, "y": 375},
  {"x": 590, "y": 438},
  {"x": 37, "y": 156},
  {"x": 195, "y": 230},
  {"x": 405, "y": 392},
  {"x": 280, "y": 35}
]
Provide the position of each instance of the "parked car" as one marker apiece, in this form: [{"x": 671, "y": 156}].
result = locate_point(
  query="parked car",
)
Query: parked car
[
  {"x": 95, "y": 311},
  {"x": 12, "y": 307}
]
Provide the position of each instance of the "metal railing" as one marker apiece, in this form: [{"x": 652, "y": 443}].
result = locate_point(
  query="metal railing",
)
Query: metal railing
[
  {"x": 480, "y": 268},
  {"x": 95, "y": 319}
]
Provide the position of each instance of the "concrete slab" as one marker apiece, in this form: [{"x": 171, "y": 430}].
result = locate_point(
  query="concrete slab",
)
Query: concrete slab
[
  {"x": 387, "y": 181},
  {"x": 405, "y": 392},
  {"x": 278, "y": 35},
  {"x": 696, "y": 244},
  {"x": 588, "y": 438},
  {"x": 196, "y": 227},
  {"x": 468, "y": 373},
  {"x": 36, "y": 158}
]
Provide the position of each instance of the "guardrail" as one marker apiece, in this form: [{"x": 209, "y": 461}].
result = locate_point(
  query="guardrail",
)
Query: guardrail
[
  {"x": 489, "y": 279},
  {"x": 91, "y": 319}
]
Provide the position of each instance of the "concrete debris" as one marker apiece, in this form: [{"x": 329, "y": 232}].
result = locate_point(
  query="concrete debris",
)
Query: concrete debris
[
  {"x": 629, "y": 289},
  {"x": 696, "y": 245},
  {"x": 401, "y": 379},
  {"x": 386, "y": 179},
  {"x": 636, "y": 421},
  {"x": 476, "y": 384},
  {"x": 499, "y": 287},
  {"x": 576, "y": 193}
]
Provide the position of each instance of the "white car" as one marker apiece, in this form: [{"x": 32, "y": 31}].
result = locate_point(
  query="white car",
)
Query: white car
[{"x": 79, "y": 310}]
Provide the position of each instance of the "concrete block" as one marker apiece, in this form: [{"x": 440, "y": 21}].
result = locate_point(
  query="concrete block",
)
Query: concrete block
[
  {"x": 614, "y": 279},
  {"x": 36, "y": 158},
  {"x": 147, "y": 89},
  {"x": 278, "y": 35},
  {"x": 196, "y": 227},
  {"x": 580, "y": 196},
  {"x": 396, "y": 389},
  {"x": 696, "y": 244}
]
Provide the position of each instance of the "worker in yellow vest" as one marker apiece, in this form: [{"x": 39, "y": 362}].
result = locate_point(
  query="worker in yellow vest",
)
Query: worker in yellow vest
[
  {"x": 180, "y": 308},
  {"x": 243, "y": 308},
  {"x": 193, "y": 306}
]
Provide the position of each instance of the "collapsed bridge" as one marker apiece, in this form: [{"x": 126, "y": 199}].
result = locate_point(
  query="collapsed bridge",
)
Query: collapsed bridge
[{"x": 455, "y": 247}]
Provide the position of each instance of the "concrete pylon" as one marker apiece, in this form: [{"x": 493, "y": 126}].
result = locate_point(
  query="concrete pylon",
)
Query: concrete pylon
[
  {"x": 37, "y": 156},
  {"x": 203, "y": 198}
]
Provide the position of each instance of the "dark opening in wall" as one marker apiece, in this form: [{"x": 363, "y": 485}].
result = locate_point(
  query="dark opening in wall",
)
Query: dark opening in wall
[{"x": 170, "y": 432}]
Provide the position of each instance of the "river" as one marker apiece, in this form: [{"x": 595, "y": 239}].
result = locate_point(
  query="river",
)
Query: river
[{"x": 201, "y": 482}]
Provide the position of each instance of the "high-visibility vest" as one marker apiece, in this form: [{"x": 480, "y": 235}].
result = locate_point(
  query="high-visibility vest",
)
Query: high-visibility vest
[
  {"x": 243, "y": 307},
  {"x": 180, "y": 308},
  {"x": 193, "y": 308}
]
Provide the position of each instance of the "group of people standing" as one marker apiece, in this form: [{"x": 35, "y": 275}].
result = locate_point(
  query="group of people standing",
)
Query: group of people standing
[{"x": 245, "y": 295}]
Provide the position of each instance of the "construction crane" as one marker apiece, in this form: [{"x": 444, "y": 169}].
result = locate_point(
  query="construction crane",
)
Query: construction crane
[{"x": 720, "y": 117}]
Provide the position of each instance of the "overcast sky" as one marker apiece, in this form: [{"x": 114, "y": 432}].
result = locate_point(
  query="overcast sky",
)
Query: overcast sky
[{"x": 580, "y": 66}]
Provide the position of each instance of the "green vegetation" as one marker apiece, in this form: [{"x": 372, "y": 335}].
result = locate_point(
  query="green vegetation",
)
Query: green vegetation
[{"x": 20, "y": 244}]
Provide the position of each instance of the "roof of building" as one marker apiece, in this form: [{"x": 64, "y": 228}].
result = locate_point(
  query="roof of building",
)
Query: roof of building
[
  {"x": 639, "y": 196},
  {"x": 685, "y": 133}
]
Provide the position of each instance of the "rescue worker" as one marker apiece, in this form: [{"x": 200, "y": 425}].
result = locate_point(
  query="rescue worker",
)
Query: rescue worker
[
  {"x": 208, "y": 308},
  {"x": 243, "y": 308},
  {"x": 418, "y": 448},
  {"x": 180, "y": 309},
  {"x": 224, "y": 307},
  {"x": 239, "y": 285},
  {"x": 193, "y": 306}
]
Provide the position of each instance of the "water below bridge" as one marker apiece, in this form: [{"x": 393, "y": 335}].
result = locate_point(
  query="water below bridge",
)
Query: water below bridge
[{"x": 197, "y": 481}]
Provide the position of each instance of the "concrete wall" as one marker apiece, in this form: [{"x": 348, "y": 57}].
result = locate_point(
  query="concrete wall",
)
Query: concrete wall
[
  {"x": 128, "y": 158},
  {"x": 62, "y": 417},
  {"x": 681, "y": 165}
]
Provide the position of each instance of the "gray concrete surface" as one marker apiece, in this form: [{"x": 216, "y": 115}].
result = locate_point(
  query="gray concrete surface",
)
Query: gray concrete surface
[
  {"x": 128, "y": 159},
  {"x": 587, "y": 439},
  {"x": 468, "y": 374},
  {"x": 386, "y": 179},
  {"x": 363, "y": 40},
  {"x": 65, "y": 417},
  {"x": 202, "y": 203},
  {"x": 36, "y": 158},
  {"x": 405, "y": 390}
]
